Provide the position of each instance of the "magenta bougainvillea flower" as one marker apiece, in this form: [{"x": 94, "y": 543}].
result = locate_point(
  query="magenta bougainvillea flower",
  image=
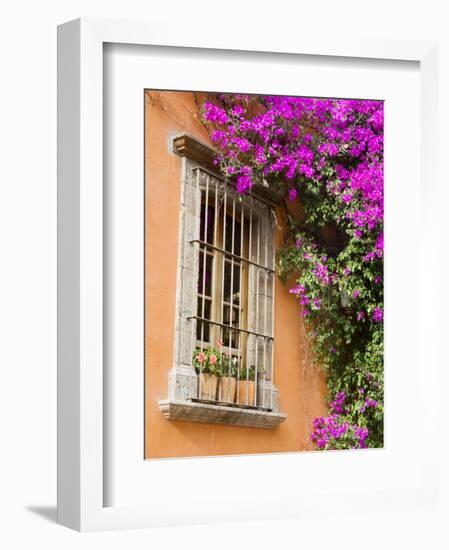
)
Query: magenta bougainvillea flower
[
  {"x": 377, "y": 314},
  {"x": 292, "y": 194}
]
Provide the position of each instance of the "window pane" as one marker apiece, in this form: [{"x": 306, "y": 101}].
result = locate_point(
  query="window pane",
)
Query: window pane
[
  {"x": 227, "y": 333},
  {"x": 237, "y": 235},
  {"x": 235, "y": 338},
  {"x": 235, "y": 282},
  {"x": 205, "y": 278},
  {"x": 209, "y": 237},
  {"x": 203, "y": 328}
]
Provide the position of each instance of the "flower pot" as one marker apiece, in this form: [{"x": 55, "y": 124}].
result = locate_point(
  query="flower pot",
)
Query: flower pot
[
  {"x": 208, "y": 386},
  {"x": 226, "y": 389},
  {"x": 246, "y": 389}
]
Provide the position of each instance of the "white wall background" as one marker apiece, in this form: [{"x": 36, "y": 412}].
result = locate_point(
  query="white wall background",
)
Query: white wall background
[{"x": 28, "y": 270}]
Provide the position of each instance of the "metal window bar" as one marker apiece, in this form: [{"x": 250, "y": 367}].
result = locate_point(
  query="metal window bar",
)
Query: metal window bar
[
  {"x": 256, "y": 360},
  {"x": 231, "y": 293},
  {"x": 214, "y": 281},
  {"x": 250, "y": 256},
  {"x": 265, "y": 300},
  {"x": 225, "y": 326},
  {"x": 234, "y": 333},
  {"x": 223, "y": 269},
  {"x": 242, "y": 233},
  {"x": 236, "y": 257},
  {"x": 272, "y": 260}
]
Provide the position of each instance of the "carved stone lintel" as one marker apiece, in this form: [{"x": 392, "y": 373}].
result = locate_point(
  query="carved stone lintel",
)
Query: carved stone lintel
[{"x": 188, "y": 146}]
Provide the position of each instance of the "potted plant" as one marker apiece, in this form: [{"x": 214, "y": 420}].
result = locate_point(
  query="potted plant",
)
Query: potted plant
[
  {"x": 228, "y": 379},
  {"x": 246, "y": 386},
  {"x": 208, "y": 368}
]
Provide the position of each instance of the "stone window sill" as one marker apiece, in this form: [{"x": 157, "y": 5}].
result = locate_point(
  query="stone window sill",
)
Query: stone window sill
[{"x": 193, "y": 411}]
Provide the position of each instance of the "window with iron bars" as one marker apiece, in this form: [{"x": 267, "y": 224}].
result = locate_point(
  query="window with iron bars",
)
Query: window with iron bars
[
  {"x": 234, "y": 315},
  {"x": 224, "y": 300}
]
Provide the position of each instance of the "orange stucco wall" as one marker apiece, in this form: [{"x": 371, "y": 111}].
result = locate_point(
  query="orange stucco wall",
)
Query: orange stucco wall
[{"x": 301, "y": 384}]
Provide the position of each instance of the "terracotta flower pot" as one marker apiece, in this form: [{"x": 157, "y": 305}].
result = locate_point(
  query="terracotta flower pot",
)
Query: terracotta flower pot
[
  {"x": 245, "y": 386},
  {"x": 208, "y": 386},
  {"x": 226, "y": 389}
]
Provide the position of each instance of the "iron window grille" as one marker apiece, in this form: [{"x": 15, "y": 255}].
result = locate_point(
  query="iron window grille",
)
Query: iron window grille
[{"x": 234, "y": 251}]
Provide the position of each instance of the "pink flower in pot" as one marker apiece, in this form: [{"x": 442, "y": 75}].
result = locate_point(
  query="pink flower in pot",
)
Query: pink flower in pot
[{"x": 201, "y": 357}]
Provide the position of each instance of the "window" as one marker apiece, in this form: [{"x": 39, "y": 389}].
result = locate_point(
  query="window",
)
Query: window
[
  {"x": 234, "y": 270},
  {"x": 225, "y": 304}
]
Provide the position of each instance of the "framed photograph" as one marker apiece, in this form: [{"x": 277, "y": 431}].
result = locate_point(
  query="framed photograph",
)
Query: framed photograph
[{"x": 234, "y": 319}]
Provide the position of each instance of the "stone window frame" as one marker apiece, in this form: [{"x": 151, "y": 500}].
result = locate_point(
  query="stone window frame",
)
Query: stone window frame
[{"x": 197, "y": 164}]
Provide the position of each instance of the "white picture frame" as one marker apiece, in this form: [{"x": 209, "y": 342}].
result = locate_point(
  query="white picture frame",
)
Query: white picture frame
[{"x": 81, "y": 475}]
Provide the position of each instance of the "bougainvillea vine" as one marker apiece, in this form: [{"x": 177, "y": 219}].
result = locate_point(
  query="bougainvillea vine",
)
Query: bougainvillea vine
[{"x": 325, "y": 156}]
